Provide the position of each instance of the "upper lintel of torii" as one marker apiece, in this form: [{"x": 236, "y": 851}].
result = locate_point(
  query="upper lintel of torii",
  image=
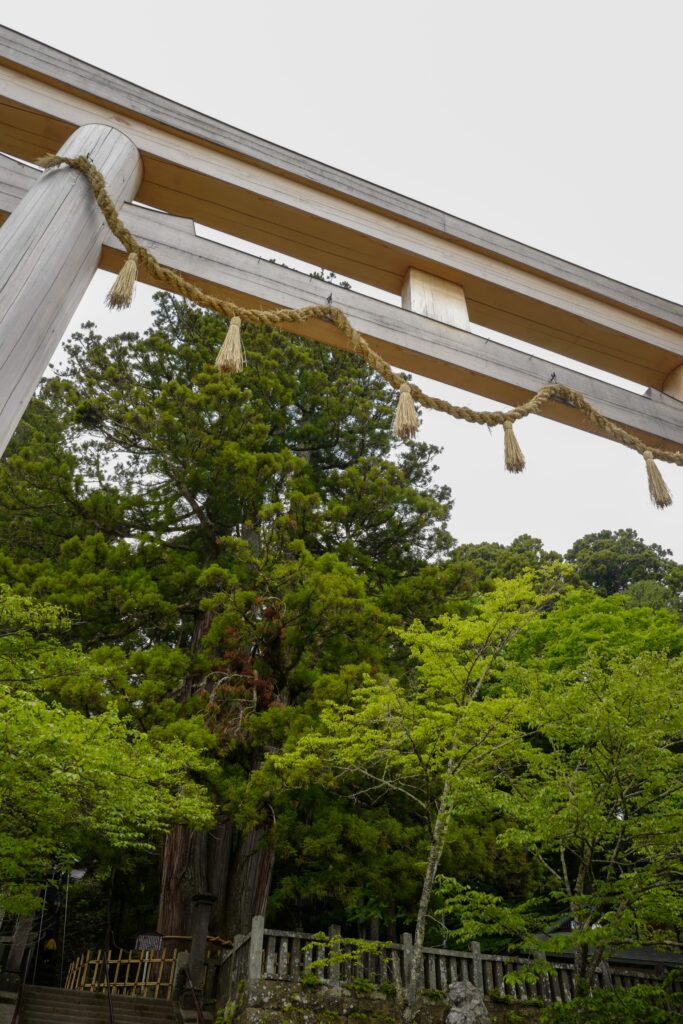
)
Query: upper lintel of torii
[{"x": 449, "y": 272}]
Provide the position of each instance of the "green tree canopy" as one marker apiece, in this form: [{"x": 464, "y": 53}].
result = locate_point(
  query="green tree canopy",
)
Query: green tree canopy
[
  {"x": 599, "y": 807},
  {"x": 222, "y": 543},
  {"x": 73, "y": 785},
  {"x": 612, "y": 561},
  {"x": 251, "y": 574}
]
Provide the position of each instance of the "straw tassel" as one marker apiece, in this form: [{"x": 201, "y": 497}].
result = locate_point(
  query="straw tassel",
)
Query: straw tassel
[
  {"x": 406, "y": 423},
  {"x": 230, "y": 358},
  {"x": 514, "y": 456},
  {"x": 121, "y": 292},
  {"x": 659, "y": 492}
]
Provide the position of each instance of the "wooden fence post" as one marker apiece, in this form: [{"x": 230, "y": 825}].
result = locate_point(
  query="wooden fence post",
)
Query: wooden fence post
[
  {"x": 258, "y": 924},
  {"x": 606, "y": 973},
  {"x": 49, "y": 250},
  {"x": 544, "y": 981},
  {"x": 231, "y": 961},
  {"x": 477, "y": 968},
  {"x": 335, "y": 947},
  {"x": 407, "y": 943}
]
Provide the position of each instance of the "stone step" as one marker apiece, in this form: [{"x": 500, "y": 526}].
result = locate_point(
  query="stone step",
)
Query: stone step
[
  {"x": 96, "y": 1016},
  {"x": 98, "y": 1009},
  {"x": 40, "y": 993},
  {"x": 42, "y": 1005},
  {"x": 92, "y": 1012},
  {"x": 33, "y": 1015},
  {"x": 66, "y": 994}
]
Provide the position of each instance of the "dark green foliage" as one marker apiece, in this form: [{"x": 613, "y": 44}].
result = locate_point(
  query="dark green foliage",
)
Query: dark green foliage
[
  {"x": 234, "y": 554},
  {"x": 224, "y": 544},
  {"x": 498, "y": 561},
  {"x": 612, "y": 561},
  {"x": 642, "y": 1004}
]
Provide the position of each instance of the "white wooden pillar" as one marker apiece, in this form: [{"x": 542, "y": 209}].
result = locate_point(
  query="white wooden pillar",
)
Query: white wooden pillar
[{"x": 49, "y": 250}]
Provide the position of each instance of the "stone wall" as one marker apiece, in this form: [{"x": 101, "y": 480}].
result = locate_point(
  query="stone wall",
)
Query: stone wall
[{"x": 278, "y": 1002}]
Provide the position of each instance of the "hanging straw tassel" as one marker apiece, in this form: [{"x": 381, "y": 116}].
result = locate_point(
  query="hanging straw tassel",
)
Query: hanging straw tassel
[
  {"x": 121, "y": 292},
  {"x": 406, "y": 423},
  {"x": 514, "y": 456},
  {"x": 659, "y": 492},
  {"x": 230, "y": 358}
]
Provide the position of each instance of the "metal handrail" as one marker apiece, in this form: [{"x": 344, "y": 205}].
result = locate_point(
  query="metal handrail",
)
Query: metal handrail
[
  {"x": 196, "y": 992},
  {"x": 199, "y": 1010},
  {"x": 107, "y": 982}
]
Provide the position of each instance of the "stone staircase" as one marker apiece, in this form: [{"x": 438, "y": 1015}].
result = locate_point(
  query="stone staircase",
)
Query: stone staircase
[{"x": 60, "y": 1006}]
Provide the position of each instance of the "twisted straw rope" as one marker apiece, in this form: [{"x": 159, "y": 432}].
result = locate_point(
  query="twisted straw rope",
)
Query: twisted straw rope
[{"x": 332, "y": 314}]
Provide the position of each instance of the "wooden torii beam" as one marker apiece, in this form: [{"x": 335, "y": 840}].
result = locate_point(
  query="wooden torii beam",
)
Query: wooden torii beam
[
  {"x": 448, "y": 271},
  {"x": 405, "y": 339}
]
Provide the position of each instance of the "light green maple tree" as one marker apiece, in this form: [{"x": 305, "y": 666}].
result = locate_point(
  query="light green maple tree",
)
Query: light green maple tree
[
  {"x": 598, "y": 805},
  {"x": 74, "y": 785},
  {"x": 441, "y": 737}
]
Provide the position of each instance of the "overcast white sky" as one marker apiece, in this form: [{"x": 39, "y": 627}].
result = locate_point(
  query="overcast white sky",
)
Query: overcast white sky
[{"x": 557, "y": 123}]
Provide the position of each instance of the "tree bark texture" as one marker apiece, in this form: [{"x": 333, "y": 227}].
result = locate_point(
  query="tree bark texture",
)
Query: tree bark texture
[{"x": 235, "y": 867}]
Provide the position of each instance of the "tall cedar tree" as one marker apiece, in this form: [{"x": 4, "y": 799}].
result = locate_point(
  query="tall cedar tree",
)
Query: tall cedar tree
[
  {"x": 228, "y": 541},
  {"x": 237, "y": 551}
]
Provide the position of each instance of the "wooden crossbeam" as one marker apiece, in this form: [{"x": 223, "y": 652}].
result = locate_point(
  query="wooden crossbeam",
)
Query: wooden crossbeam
[
  {"x": 198, "y": 167},
  {"x": 405, "y": 339}
]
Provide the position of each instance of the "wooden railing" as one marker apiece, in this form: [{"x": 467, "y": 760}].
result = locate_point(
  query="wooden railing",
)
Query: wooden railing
[
  {"x": 273, "y": 955},
  {"x": 148, "y": 974},
  {"x": 235, "y": 967},
  {"x": 267, "y": 954}
]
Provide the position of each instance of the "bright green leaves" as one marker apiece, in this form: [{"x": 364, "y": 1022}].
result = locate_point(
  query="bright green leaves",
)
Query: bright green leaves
[
  {"x": 462, "y": 656},
  {"x": 596, "y": 801},
  {"x": 70, "y": 784},
  {"x": 32, "y": 656},
  {"x": 421, "y": 747},
  {"x": 586, "y": 625},
  {"x": 602, "y": 798}
]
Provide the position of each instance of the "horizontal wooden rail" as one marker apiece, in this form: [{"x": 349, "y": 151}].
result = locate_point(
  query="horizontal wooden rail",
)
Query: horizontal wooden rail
[
  {"x": 287, "y": 956},
  {"x": 217, "y": 175},
  {"x": 274, "y": 955},
  {"x": 407, "y": 340},
  {"x": 235, "y": 967}
]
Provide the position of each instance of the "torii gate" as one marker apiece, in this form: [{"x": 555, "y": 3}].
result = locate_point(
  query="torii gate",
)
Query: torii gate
[{"x": 194, "y": 168}]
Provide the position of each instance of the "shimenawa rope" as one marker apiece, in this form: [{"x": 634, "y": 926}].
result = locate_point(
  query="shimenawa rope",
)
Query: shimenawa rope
[{"x": 230, "y": 358}]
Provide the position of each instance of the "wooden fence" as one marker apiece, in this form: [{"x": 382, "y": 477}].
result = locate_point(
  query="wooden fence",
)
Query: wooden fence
[
  {"x": 148, "y": 973},
  {"x": 235, "y": 970},
  {"x": 272, "y": 955},
  {"x": 267, "y": 954}
]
